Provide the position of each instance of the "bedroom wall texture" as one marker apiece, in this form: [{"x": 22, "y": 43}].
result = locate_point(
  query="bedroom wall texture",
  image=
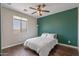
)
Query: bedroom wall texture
[
  {"x": 9, "y": 37},
  {"x": 63, "y": 23}
]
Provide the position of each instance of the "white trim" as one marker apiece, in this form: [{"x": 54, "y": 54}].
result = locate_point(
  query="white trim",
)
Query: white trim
[
  {"x": 23, "y": 42},
  {"x": 12, "y": 45},
  {"x": 68, "y": 45}
]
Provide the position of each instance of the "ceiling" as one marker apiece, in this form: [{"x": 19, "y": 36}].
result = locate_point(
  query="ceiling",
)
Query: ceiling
[{"x": 52, "y": 7}]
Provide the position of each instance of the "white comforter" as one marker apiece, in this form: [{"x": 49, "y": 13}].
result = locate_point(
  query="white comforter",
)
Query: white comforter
[{"x": 41, "y": 45}]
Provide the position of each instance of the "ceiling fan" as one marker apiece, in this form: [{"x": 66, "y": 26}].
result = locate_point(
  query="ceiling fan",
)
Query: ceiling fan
[{"x": 39, "y": 9}]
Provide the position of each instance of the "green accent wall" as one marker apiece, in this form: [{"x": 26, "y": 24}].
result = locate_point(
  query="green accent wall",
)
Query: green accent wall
[{"x": 63, "y": 23}]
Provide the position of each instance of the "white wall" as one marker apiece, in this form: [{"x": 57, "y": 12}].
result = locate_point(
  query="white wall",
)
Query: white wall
[{"x": 9, "y": 38}]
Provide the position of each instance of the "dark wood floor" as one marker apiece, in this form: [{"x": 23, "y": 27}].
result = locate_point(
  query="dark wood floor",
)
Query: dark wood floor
[{"x": 58, "y": 50}]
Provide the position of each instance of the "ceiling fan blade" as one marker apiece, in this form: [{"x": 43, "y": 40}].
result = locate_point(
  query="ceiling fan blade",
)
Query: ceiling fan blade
[
  {"x": 34, "y": 12},
  {"x": 40, "y": 14},
  {"x": 39, "y": 6},
  {"x": 32, "y": 8},
  {"x": 45, "y": 11},
  {"x": 43, "y": 5}
]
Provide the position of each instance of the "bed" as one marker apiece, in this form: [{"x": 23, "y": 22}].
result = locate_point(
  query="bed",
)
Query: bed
[{"x": 43, "y": 44}]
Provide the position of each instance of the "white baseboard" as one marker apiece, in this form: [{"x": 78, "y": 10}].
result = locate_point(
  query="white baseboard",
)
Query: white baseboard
[
  {"x": 68, "y": 45},
  {"x": 23, "y": 42},
  {"x": 12, "y": 45}
]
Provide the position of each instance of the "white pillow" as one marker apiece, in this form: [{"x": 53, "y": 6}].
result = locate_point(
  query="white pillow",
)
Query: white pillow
[
  {"x": 44, "y": 35},
  {"x": 52, "y": 36}
]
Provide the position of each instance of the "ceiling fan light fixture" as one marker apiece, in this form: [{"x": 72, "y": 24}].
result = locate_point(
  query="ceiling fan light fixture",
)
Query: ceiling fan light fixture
[
  {"x": 39, "y": 13},
  {"x": 39, "y": 10}
]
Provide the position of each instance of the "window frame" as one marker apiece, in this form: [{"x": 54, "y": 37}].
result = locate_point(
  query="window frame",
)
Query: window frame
[
  {"x": 19, "y": 19},
  {"x": 22, "y": 30}
]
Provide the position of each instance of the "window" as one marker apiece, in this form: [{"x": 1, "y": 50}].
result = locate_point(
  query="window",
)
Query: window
[
  {"x": 23, "y": 25},
  {"x": 19, "y": 24},
  {"x": 16, "y": 25}
]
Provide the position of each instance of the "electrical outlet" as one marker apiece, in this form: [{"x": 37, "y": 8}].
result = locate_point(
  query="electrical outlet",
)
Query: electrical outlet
[{"x": 69, "y": 41}]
